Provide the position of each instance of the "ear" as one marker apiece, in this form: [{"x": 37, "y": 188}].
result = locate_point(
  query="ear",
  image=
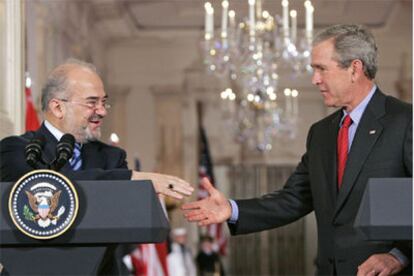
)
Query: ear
[
  {"x": 57, "y": 108},
  {"x": 357, "y": 68}
]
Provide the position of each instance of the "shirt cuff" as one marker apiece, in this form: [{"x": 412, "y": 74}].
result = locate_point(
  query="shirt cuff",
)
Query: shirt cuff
[
  {"x": 399, "y": 256},
  {"x": 234, "y": 212}
]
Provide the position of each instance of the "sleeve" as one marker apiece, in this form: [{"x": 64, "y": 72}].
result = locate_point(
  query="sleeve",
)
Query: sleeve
[
  {"x": 408, "y": 148},
  {"x": 279, "y": 207}
]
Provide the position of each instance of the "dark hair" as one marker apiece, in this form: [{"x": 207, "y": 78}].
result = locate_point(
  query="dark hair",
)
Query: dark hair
[{"x": 352, "y": 42}]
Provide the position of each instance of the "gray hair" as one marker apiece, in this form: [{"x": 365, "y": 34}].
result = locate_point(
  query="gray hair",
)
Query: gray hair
[
  {"x": 56, "y": 85},
  {"x": 352, "y": 42}
]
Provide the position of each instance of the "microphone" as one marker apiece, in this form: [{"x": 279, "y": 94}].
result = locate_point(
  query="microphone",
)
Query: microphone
[
  {"x": 64, "y": 151},
  {"x": 33, "y": 151}
]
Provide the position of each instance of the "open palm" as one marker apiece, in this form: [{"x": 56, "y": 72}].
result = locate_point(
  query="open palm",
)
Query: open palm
[{"x": 213, "y": 209}]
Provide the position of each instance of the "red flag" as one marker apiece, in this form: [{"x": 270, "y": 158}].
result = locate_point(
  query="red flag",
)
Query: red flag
[
  {"x": 205, "y": 169},
  {"x": 32, "y": 122},
  {"x": 150, "y": 259}
]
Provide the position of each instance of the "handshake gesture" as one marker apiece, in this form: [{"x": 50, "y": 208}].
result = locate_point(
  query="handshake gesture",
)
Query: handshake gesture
[{"x": 213, "y": 209}]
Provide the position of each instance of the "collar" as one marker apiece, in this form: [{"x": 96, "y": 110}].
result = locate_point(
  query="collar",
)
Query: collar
[
  {"x": 55, "y": 132},
  {"x": 357, "y": 112}
]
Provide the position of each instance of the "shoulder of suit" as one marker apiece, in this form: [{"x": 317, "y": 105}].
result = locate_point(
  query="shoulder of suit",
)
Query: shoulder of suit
[
  {"x": 18, "y": 139},
  {"x": 103, "y": 146},
  {"x": 326, "y": 121},
  {"x": 396, "y": 106}
]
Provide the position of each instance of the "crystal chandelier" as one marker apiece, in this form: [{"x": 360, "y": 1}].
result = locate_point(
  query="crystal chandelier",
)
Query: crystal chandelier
[{"x": 250, "y": 56}]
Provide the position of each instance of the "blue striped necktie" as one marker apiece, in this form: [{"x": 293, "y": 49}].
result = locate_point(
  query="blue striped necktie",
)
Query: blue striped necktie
[{"x": 76, "y": 161}]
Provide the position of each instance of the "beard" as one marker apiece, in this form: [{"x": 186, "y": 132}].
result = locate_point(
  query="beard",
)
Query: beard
[
  {"x": 83, "y": 134},
  {"x": 91, "y": 135}
]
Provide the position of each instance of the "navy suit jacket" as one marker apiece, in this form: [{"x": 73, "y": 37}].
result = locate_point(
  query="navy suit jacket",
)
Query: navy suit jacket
[
  {"x": 382, "y": 147},
  {"x": 99, "y": 160}
]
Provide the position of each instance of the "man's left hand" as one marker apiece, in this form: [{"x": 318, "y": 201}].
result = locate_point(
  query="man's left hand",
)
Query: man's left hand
[{"x": 380, "y": 264}]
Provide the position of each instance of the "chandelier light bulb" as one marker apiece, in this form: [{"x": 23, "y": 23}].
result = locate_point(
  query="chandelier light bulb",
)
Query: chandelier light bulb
[
  {"x": 287, "y": 92},
  {"x": 270, "y": 90},
  {"x": 114, "y": 138},
  {"x": 249, "y": 53}
]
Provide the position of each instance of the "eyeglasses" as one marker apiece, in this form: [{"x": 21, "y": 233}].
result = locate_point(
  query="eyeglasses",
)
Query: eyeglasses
[{"x": 91, "y": 104}]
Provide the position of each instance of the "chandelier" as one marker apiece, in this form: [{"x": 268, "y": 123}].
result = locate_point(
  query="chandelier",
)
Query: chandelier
[{"x": 250, "y": 56}]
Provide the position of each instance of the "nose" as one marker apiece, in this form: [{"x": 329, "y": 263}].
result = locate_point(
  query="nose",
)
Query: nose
[
  {"x": 316, "y": 78},
  {"x": 101, "y": 110}
]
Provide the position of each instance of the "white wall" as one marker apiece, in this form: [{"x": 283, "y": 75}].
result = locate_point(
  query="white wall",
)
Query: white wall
[{"x": 140, "y": 65}]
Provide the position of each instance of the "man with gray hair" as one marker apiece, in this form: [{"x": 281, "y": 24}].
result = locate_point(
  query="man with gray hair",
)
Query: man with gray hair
[
  {"x": 369, "y": 136},
  {"x": 74, "y": 101}
]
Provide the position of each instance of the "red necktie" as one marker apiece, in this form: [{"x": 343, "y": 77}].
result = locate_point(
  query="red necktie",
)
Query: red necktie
[{"x": 342, "y": 148}]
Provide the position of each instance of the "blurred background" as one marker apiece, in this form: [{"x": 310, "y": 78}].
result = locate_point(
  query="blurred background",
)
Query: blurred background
[{"x": 187, "y": 102}]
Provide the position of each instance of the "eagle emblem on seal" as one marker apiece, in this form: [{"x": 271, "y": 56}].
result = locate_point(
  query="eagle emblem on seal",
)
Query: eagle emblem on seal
[{"x": 44, "y": 205}]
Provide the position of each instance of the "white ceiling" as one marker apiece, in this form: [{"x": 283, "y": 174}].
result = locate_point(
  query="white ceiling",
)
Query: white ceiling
[{"x": 115, "y": 19}]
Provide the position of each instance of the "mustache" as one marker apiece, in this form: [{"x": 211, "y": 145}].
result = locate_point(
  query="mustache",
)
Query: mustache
[{"x": 95, "y": 117}]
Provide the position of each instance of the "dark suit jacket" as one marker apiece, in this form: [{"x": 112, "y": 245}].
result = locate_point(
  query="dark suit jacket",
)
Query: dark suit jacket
[
  {"x": 99, "y": 162},
  {"x": 312, "y": 187}
]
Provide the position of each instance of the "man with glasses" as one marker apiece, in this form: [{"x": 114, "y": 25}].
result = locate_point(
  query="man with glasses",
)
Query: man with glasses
[{"x": 74, "y": 101}]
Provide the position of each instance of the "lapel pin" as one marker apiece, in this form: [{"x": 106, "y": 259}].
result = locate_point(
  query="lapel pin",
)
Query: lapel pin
[{"x": 372, "y": 131}]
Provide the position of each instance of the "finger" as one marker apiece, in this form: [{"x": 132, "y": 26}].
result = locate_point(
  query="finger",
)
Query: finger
[
  {"x": 173, "y": 194},
  {"x": 184, "y": 184},
  {"x": 207, "y": 185},
  {"x": 205, "y": 222},
  {"x": 384, "y": 273},
  {"x": 191, "y": 205},
  {"x": 182, "y": 190},
  {"x": 196, "y": 217},
  {"x": 196, "y": 214}
]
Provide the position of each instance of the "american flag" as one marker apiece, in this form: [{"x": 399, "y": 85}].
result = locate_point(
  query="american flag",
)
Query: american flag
[
  {"x": 205, "y": 169},
  {"x": 32, "y": 121}
]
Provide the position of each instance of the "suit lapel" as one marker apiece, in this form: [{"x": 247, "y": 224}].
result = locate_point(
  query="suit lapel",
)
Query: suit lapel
[
  {"x": 91, "y": 156},
  {"x": 49, "y": 150},
  {"x": 367, "y": 134},
  {"x": 330, "y": 156}
]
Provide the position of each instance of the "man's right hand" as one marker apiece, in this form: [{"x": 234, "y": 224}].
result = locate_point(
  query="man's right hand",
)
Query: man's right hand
[
  {"x": 213, "y": 209},
  {"x": 164, "y": 184}
]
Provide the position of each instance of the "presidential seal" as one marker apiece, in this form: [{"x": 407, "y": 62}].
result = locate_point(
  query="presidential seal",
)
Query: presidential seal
[{"x": 43, "y": 204}]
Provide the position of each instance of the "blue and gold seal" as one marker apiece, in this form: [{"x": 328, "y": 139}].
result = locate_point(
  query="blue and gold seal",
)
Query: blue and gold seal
[{"x": 43, "y": 204}]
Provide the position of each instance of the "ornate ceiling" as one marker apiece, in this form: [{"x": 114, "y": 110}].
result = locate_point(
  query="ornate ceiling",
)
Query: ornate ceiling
[{"x": 128, "y": 18}]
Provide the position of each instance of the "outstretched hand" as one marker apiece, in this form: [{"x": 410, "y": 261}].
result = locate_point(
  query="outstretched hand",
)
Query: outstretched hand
[
  {"x": 213, "y": 209},
  {"x": 167, "y": 185}
]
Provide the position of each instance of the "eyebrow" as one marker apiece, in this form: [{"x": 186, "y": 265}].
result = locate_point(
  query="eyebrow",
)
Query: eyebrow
[
  {"x": 318, "y": 66},
  {"x": 96, "y": 98}
]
